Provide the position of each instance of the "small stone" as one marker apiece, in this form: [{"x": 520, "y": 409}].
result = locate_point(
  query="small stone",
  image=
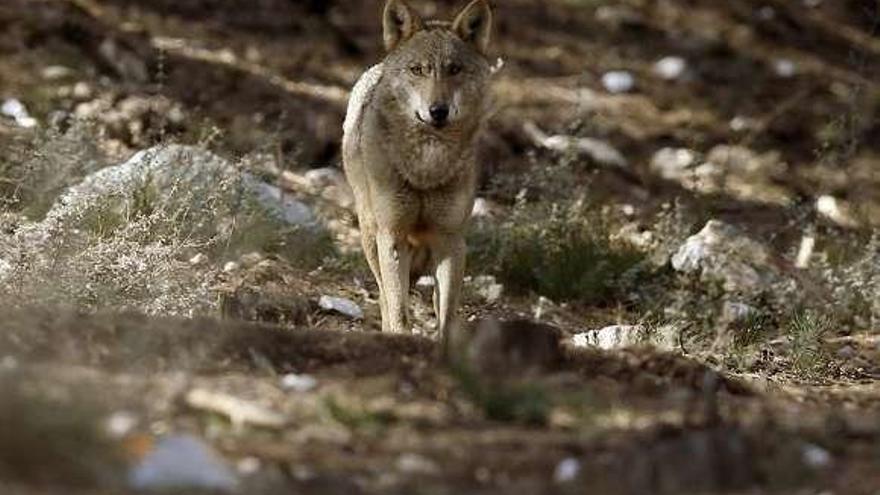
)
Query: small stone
[
  {"x": 567, "y": 470},
  {"x": 199, "y": 259},
  {"x": 121, "y": 423},
  {"x": 231, "y": 266},
  {"x": 482, "y": 208},
  {"x": 82, "y": 91},
  {"x": 425, "y": 281},
  {"x": 182, "y": 462},
  {"x": 784, "y": 68},
  {"x": 611, "y": 338},
  {"x": 618, "y": 81},
  {"x": 342, "y": 306},
  {"x": 298, "y": 383},
  {"x": 670, "y": 163},
  {"x": 251, "y": 259},
  {"x": 487, "y": 287},
  {"x": 16, "y": 110},
  {"x": 670, "y": 68},
  {"x": 737, "y": 312},
  {"x": 836, "y": 211},
  {"x": 816, "y": 457},
  {"x": 56, "y": 72},
  {"x": 248, "y": 466},
  {"x": 416, "y": 464}
]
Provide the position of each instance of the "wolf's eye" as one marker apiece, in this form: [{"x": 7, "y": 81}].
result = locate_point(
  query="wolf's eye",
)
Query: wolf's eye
[
  {"x": 416, "y": 70},
  {"x": 454, "y": 69}
]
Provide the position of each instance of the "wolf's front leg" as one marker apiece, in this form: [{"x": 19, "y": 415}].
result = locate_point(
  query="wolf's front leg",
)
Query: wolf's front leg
[
  {"x": 395, "y": 259},
  {"x": 448, "y": 253}
]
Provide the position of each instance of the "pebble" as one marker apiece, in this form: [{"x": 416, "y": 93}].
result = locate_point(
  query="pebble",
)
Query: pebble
[
  {"x": 670, "y": 68},
  {"x": 298, "y": 383},
  {"x": 567, "y": 470},
  {"x": 618, "y": 81},
  {"x": 341, "y": 305}
]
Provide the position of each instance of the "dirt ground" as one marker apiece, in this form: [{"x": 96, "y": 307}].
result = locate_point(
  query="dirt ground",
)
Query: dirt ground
[{"x": 386, "y": 415}]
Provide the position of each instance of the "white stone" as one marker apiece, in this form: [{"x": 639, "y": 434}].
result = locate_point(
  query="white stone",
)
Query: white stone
[
  {"x": 121, "y": 423},
  {"x": 722, "y": 252},
  {"x": 784, "y": 68},
  {"x": 836, "y": 211},
  {"x": 182, "y": 462},
  {"x": 416, "y": 464},
  {"x": 670, "y": 68},
  {"x": 567, "y": 470},
  {"x": 16, "y": 110},
  {"x": 342, "y": 306},
  {"x": 672, "y": 163},
  {"x": 298, "y": 383},
  {"x": 199, "y": 259},
  {"x": 231, "y": 266},
  {"x": 482, "y": 208},
  {"x": 487, "y": 287},
  {"x": 618, "y": 81},
  {"x": 816, "y": 457},
  {"x": 610, "y": 338},
  {"x": 55, "y": 72}
]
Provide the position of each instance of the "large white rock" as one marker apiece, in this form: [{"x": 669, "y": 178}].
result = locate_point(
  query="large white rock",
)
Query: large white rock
[
  {"x": 175, "y": 171},
  {"x": 721, "y": 252}
]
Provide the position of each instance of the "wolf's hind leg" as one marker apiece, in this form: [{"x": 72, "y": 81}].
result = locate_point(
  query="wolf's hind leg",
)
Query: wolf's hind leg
[{"x": 371, "y": 252}]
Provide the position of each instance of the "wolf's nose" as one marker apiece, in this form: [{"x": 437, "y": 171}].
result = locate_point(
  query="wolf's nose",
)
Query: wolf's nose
[{"x": 439, "y": 113}]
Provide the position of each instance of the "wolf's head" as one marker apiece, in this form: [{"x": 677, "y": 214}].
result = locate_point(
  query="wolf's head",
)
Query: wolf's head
[{"x": 437, "y": 71}]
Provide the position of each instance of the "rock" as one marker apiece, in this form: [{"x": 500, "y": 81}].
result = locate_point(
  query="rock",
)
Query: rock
[
  {"x": 16, "y": 110},
  {"x": 613, "y": 337},
  {"x": 673, "y": 163},
  {"x": 622, "y": 336},
  {"x": 670, "y": 68},
  {"x": 487, "y": 287},
  {"x": 618, "y": 81},
  {"x": 239, "y": 411},
  {"x": 483, "y": 208},
  {"x": 736, "y": 312},
  {"x": 816, "y": 457},
  {"x": 415, "y": 464},
  {"x": 599, "y": 151},
  {"x": 55, "y": 72},
  {"x": 182, "y": 462},
  {"x": 120, "y": 424},
  {"x": 784, "y": 68},
  {"x": 636, "y": 236},
  {"x": 298, "y": 383},
  {"x": 567, "y": 470},
  {"x": 342, "y": 306},
  {"x": 836, "y": 211},
  {"x": 231, "y": 266},
  {"x": 721, "y": 252},
  {"x": 176, "y": 172},
  {"x": 198, "y": 260},
  {"x": 733, "y": 170}
]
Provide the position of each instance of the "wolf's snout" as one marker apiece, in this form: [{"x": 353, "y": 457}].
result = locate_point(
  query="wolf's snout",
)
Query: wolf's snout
[{"x": 439, "y": 114}]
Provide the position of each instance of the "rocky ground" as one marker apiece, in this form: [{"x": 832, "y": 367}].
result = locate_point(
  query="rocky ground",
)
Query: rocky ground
[{"x": 674, "y": 283}]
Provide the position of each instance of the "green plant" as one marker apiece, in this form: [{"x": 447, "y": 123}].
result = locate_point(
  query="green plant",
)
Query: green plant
[
  {"x": 806, "y": 332},
  {"x": 562, "y": 252}
]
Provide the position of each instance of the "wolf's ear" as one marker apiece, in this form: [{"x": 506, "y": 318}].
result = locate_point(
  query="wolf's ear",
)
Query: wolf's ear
[
  {"x": 399, "y": 22},
  {"x": 474, "y": 24}
]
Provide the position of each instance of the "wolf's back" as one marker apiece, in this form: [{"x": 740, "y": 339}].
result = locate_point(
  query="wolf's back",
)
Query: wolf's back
[{"x": 361, "y": 96}]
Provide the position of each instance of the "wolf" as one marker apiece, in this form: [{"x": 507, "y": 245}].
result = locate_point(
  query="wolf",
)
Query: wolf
[{"x": 409, "y": 154}]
